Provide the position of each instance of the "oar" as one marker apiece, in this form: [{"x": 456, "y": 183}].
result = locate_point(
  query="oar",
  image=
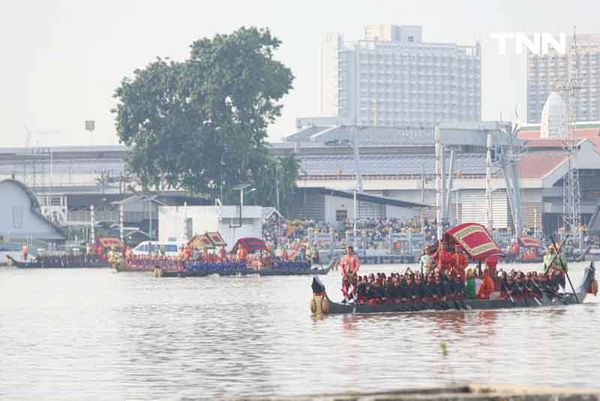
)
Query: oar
[
  {"x": 508, "y": 293},
  {"x": 457, "y": 302},
  {"x": 536, "y": 286},
  {"x": 565, "y": 269},
  {"x": 557, "y": 252},
  {"x": 552, "y": 293},
  {"x": 584, "y": 254}
]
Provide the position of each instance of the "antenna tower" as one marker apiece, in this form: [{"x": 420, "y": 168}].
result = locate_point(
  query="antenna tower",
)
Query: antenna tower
[{"x": 571, "y": 189}]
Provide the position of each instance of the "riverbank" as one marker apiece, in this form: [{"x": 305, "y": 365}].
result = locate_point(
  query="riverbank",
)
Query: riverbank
[{"x": 464, "y": 392}]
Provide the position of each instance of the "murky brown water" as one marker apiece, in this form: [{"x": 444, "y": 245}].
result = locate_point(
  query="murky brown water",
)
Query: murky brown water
[{"x": 82, "y": 334}]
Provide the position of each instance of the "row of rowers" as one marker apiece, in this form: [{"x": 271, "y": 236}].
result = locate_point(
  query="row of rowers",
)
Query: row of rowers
[
  {"x": 443, "y": 283},
  {"x": 436, "y": 286}
]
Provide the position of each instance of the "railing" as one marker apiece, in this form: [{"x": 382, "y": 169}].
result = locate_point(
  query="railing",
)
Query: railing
[
  {"x": 83, "y": 216},
  {"x": 79, "y": 216},
  {"x": 406, "y": 177}
]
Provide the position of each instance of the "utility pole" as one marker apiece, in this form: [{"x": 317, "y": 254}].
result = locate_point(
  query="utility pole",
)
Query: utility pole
[
  {"x": 571, "y": 188},
  {"x": 439, "y": 202},
  {"x": 277, "y": 185},
  {"x": 121, "y": 223},
  {"x": 488, "y": 185},
  {"x": 92, "y": 226},
  {"x": 354, "y": 217},
  {"x": 359, "y": 184},
  {"x": 150, "y": 217}
]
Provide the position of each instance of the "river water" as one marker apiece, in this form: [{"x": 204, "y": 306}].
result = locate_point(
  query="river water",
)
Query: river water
[{"x": 83, "y": 334}]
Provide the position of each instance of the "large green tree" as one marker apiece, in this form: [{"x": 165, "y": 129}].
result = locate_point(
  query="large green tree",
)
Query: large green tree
[{"x": 201, "y": 123}]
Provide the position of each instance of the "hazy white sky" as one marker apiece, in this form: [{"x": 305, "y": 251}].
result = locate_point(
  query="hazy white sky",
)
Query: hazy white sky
[{"x": 62, "y": 60}]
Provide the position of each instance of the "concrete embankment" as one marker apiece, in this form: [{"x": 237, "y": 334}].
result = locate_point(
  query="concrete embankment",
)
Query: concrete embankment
[{"x": 467, "y": 392}]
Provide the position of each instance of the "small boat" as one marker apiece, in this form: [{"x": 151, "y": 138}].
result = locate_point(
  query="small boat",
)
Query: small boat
[
  {"x": 243, "y": 270},
  {"x": 282, "y": 271},
  {"x": 322, "y": 305},
  {"x": 525, "y": 250},
  {"x": 132, "y": 268},
  {"x": 234, "y": 271},
  {"x": 138, "y": 265},
  {"x": 59, "y": 262}
]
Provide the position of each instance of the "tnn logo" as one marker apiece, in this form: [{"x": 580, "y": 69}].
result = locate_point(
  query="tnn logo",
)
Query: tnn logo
[{"x": 537, "y": 43}]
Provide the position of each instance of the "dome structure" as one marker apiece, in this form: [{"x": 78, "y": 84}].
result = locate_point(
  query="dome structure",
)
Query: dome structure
[{"x": 554, "y": 117}]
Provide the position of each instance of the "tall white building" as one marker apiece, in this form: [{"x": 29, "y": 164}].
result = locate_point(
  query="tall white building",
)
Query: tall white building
[
  {"x": 391, "y": 78},
  {"x": 554, "y": 117},
  {"x": 581, "y": 63}
]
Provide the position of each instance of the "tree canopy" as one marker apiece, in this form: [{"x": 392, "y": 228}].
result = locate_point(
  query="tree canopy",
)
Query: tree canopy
[{"x": 201, "y": 124}]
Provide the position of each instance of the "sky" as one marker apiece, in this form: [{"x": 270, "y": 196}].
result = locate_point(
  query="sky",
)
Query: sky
[{"x": 62, "y": 60}]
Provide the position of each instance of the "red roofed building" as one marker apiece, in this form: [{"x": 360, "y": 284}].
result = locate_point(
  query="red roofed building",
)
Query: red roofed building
[
  {"x": 539, "y": 164},
  {"x": 545, "y": 163},
  {"x": 583, "y": 130}
]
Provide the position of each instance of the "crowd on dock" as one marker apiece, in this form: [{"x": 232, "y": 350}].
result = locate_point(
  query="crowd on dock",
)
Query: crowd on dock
[{"x": 375, "y": 232}]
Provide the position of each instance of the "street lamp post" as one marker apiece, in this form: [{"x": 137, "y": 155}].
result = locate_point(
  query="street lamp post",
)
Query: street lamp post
[
  {"x": 150, "y": 218},
  {"x": 92, "y": 225},
  {"x": 121, "y": 223},
  {"x": 354, "y": 217},
  {"x": 221, "y": 164},
  {"x": 151, "y": 200},
  {"x": 277, "y": 185},
  {"x": 353, "y": 144},
  {"x": 241, "y": 188}
]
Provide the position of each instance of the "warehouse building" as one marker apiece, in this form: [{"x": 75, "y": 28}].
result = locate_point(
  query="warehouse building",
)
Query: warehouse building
[{"x": 20, "y": 216}]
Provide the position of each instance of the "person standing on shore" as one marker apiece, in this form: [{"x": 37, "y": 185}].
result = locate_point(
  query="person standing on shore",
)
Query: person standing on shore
[
  {"x": 350, "y": 265},
  {"x": 25, "y": 251}
]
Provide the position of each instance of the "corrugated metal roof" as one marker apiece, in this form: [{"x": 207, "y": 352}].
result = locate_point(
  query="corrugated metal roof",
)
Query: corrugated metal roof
[
  {"x": 64, "y": 149},
  {"x": 362, "y": 196}
]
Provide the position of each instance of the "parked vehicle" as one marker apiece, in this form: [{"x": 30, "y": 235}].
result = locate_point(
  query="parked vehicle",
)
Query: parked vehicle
[{"x": 147, "y": 248}]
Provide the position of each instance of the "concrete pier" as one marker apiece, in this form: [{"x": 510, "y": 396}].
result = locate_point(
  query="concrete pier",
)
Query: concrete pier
[{"x": 466, "y": 392}]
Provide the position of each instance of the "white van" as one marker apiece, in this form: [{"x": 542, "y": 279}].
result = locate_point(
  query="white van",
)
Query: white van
[{"x": 147, "y": 248}]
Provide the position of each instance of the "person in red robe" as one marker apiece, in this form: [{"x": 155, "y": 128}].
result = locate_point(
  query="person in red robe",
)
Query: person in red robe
[
  {"x": 487, "y": 285},
  {"x": 459, "y": 263},
  {"x": 242, "y": 253},
  {"x": 442, "y": 258},
  {"x": 491, "y": 262}
]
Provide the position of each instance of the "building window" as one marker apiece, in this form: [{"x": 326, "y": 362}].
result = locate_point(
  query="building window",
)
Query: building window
[
  {"x": 17, "y": 217},
  {"x": 341, "y": 215}
]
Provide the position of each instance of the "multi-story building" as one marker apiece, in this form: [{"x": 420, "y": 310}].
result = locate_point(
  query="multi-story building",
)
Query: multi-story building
[
  {"x": 552, "y": 71},
  {"x": 391, "y": 78},
  {"x": 399, "y": 163},
  {"x": 395, "y": 163}
]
